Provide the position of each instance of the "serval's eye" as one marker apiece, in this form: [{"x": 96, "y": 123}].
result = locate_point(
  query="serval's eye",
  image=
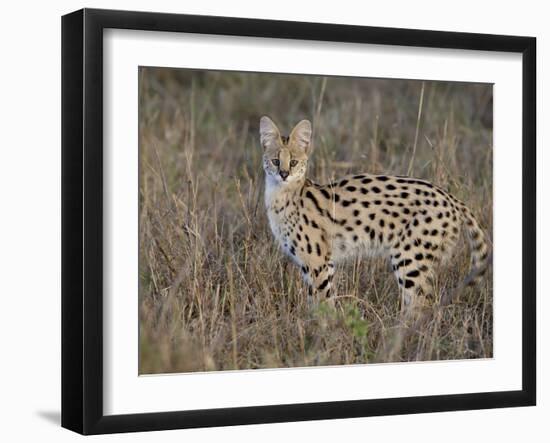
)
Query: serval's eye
[
  {"x": 293, "y": 163},
  {"x": 275, "y": 161}
]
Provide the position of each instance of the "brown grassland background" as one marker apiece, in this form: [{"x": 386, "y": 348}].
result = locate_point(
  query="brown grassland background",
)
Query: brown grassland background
[{"x": 215, "y": 291}]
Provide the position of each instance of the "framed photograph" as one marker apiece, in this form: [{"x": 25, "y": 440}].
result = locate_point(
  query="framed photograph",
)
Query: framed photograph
[{"x": 270, "y": 221}]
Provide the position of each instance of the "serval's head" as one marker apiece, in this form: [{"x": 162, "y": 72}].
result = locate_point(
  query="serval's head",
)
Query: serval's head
[{"x": 285, "y": 158}]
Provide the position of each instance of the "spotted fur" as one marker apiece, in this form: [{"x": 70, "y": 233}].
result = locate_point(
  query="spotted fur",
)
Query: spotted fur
[{"x": 412, "y": 222}]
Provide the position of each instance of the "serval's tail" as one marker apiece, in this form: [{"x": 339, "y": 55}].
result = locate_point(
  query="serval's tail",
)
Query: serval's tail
[{"x": 480, "y": 254}]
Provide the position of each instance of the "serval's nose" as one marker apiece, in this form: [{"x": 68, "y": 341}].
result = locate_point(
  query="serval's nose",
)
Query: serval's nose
[{"x": 283, "y": 174}]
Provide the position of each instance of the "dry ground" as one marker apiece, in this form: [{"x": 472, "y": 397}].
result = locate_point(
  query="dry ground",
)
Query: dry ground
[{"x": 215, "y": 291}]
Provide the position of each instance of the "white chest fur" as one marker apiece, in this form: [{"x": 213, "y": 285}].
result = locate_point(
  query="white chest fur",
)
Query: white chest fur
[{"x": 275, "y": 200}]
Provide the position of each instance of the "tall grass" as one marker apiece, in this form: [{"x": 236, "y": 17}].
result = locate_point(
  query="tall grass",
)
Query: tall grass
[{"x": 215, "y": 291}]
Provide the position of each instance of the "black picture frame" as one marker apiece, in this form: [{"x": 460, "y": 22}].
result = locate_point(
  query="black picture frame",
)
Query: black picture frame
[{"x": 82, "y": 220}]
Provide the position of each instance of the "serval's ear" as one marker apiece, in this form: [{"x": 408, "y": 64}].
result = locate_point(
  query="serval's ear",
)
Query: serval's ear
[
  {"x": 269, "y": 133},
  {"x": 301, "y": 136}
]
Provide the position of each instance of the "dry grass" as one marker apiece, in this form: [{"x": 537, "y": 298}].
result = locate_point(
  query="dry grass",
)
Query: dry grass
[{"x": 215, "y": 291}]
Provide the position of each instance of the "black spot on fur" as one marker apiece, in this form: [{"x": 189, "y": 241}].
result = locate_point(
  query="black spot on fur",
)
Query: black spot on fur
[
  {"x": 323, "y": 285},
  {"x": 310, "y": 195},
  {"x": 404, "y": 262}
]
